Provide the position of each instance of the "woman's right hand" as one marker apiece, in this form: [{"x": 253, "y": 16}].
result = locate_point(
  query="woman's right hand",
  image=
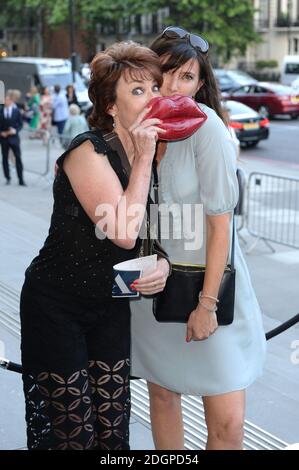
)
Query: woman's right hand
[{"x": 144, "y": 135}]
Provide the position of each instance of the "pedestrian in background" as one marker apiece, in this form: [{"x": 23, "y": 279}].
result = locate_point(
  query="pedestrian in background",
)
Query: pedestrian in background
[
  {"x": 76, "y": 124},
  {"x": 71, "y": 95},
  {"x": 16, "y": 96},
  {"x": 33, "y": 110},
  {"x": 45, "y": 113},
  {"x": 60, "y": 109},
  {"x": 10, "y": 125}
]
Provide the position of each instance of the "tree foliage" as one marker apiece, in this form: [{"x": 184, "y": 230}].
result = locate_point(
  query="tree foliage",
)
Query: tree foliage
[{"x": 227, "y": 24}]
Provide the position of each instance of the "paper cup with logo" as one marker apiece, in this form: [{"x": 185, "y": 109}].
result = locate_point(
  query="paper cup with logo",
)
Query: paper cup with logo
[
  {"x": 122, "y": 282},
  {"x": 128, "y": 271}
]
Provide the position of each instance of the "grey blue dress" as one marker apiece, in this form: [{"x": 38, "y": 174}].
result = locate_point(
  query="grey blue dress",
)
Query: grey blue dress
[{"x": 199, "y": 170}]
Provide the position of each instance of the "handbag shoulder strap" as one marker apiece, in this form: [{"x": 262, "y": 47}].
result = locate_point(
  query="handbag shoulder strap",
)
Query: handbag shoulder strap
[
  {"x": 156, "y": 196},
  {"x": 232, "y": 254},
  {"x": 114, "y": 142}
]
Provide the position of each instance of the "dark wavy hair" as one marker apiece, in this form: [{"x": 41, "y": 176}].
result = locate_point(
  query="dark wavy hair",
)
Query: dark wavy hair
[
  {"x": 127, "y": 59},
  {"x": 178, "y": 52}
]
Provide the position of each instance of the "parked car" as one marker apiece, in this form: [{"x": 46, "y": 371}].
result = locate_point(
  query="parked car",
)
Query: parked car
[
  {"x": 295, "y": 84},
  {"x": 249, "y": 126},
  {"x": 85, "y": 72},
  {"x": 230, "y": 79},
  {"x": 268, "y": 99},
  {"x": 289, "y": 69}
]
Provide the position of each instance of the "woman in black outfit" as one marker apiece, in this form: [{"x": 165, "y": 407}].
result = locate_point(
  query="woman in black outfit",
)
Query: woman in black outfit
[
  {"x": 71, "y": 95},
  {"x": 75, "y": 337}
]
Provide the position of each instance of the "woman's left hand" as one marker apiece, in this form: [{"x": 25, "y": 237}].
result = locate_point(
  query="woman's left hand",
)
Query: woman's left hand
[
  {"x": 201, "y": 324},
  {"x": 154, "y": 282}
]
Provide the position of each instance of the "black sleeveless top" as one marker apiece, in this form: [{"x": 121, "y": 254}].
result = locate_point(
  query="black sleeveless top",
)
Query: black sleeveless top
[{"x": 74, "y": 263}]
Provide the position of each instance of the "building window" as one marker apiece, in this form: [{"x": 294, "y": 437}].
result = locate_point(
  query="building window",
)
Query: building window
[
  {"x": 284, "y": 13},
  {"x": 155, "y": 28},
  {"x": 264, "y": 14},
  {"x": 264, "y": 9},
  {"x": 296, "y": 45},
  {"x": 138, "y": 25},
  {"x": 146, "y": 22},
  {"x": 163, "y": 13}
]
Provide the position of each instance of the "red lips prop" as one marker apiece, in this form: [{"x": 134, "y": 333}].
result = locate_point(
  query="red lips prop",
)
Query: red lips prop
[{"x": 180, "y": 116}]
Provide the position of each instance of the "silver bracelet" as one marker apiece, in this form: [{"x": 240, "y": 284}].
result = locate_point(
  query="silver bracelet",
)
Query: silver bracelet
[
  {"x": 202, "y": 296},
  {"x": 211, "y": 310}
]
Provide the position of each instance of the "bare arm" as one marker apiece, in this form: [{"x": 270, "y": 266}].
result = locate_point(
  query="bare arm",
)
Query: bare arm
[
  {"x": 217, "y": 251},
  {"x": 117, "y": 213},
  {"x": 201, "y": 322}
]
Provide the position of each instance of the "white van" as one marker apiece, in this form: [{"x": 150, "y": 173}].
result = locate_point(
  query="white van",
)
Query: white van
[
  {"x": 289, "y": 69},
  {"x": 24, "y": 72}
]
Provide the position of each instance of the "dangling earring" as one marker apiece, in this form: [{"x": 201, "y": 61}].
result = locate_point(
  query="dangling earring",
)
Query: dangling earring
[{"x": 113, "y": 116}]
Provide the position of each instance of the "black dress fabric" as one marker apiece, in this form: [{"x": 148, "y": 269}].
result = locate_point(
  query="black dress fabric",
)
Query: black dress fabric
[
  {"x": 75, "y": 337},
  {"x": 73, "y": 260}
]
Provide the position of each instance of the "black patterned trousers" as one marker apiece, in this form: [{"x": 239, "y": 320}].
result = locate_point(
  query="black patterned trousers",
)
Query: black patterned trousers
[{"x": 76, "y": 365}]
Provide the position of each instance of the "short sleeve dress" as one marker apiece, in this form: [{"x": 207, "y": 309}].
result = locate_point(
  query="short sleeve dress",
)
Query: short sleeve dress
[{"x": 200, "y": 171}]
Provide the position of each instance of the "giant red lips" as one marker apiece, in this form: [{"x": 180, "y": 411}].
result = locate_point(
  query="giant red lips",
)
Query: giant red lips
[{"x": 180, "y": 116}]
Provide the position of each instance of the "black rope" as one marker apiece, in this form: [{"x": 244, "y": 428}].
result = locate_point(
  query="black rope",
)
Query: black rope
[
  {"x": 284, "y": 326},
  {"x": 8, "y": 365}
]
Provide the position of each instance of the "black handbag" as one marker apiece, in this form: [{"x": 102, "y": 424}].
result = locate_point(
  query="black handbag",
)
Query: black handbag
[{"x": 180, "y": 295}]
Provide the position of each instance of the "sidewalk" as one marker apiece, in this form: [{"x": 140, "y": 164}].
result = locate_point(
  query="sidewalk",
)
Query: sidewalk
[{"x": 272, "y": 402}]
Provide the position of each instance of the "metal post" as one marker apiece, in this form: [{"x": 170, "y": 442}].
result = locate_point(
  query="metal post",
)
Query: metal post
[
  {"x": 289, "y": 10},
  {"x": 72, "y": 37}
]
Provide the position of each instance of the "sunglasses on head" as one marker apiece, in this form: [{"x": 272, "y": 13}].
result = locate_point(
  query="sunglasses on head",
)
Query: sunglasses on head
[{"x": 173, "y": 32}]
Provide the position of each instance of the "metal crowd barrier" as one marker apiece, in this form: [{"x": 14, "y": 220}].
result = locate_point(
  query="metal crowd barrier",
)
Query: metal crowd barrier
[
  {"x": 36, "y": 151},
  {"x": 240, "y": 209},
  {"x": 40, "y": 150},
  {"x": 273, "y": 210}
]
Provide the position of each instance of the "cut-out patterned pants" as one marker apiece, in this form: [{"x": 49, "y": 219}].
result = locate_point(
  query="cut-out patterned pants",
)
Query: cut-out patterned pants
[{"x": 76, "y": 366}]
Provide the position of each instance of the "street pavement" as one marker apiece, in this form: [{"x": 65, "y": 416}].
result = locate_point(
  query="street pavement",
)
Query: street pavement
[
  {"x": 282, "y": 145},
  {"x": 272, "y": 402}
]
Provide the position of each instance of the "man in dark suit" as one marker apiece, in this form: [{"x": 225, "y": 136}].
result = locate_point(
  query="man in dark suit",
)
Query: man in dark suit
[{"x": 10, "y": 126}]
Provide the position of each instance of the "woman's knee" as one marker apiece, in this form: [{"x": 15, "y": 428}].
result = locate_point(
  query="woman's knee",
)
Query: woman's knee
[
  {"x": 160, "y": 396},
  {"x": 229, "y": 429},
  {"x": 225, "y": 416}
]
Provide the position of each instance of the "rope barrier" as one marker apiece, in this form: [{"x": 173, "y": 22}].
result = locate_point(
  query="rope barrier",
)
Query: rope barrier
[
  {"x": 14, "y": 367},
  {"x": 284, "y": 326}
]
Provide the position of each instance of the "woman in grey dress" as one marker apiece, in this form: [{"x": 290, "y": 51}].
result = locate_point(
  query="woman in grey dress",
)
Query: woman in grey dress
[{"x": 218, "y": 363}]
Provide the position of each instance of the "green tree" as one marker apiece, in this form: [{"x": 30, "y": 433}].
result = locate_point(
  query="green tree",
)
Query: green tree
[
  {"x": 15, "y": 13},
  {"x": 57, "y": 11},
  {"x": 227, "y": 24}
]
